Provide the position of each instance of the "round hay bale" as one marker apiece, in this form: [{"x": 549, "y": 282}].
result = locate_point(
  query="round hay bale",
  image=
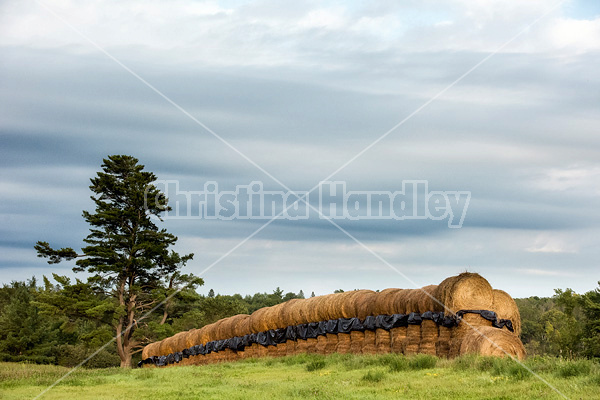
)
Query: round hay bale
[
  {"x": 167, "y": 346},
  {"x": 216, "y": 330},
  {"x": 150, "y": 350},
  {"x": 191, "y": 337},
  {"x": 347, "y": 305},
  {"x": 285, "y": 313},
  {"x": 180, "y": 340},
  {"x": 470, "y": 291},
  {"x": 426, "y": 299},
  {"x": 443, "y": 290},
  {"x": 203, "y": 335},
  {"x": 325, "y": 305},
  {"x": 400, "y": 301},
  {"x": 257, "y": 320},
  {"x": 384, "y": 302},
  {"x": 271, "y": 317},
  {"x": 490, "y": 341},
  {"x": 412, "y": 301},
  {"x": 297, "y": 312},
  {"x": 309, "y": 309},
  {"x": 364, "y": 303},
  {"x": 506, "y": 308},
  {"x": 229, "y": 328},
  {"x": 241, "y": 326},
  {"x": 334, "y": 306}
]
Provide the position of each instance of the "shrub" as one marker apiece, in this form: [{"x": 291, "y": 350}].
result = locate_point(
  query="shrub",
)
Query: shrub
[
  {"x": 422, "y": 361},
  {"x": 570, "y": 369},
  {"x": 315, "y": 365},
  {"x": 373, "y": 376}
]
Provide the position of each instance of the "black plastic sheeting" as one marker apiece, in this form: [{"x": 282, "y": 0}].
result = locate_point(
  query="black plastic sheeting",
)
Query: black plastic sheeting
[
  {"x": 490, "y": 316},
  {"x": 313, "y": 330}
]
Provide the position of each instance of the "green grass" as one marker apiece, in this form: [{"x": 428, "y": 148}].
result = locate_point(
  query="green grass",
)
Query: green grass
[{"x": 316, "y": 377}]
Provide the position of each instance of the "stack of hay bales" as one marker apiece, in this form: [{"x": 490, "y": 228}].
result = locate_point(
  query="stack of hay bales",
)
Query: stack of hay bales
[{"x": 467, "y": 291}]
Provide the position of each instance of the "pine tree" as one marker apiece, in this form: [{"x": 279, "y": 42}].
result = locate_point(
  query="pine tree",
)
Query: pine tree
[{"x": 127, "y": 255}]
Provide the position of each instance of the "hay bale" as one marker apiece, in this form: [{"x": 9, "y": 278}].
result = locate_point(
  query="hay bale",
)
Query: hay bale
[
  {"x": 285, "y": 313},
  {"x": 225, "y": 329},
  {"x": 332, "y": 341},
  {"x": 167, "y": 346},
  {"x": 311, "y": 345},
  {"x": 180, "y": 340},
  {"x": 426, "y": 298},
  {"x": 364, "y": 303},
  {"x": 334, "y": 305},
  {"x": 490, "y": 341},
  {"x": 506, "y": 308},
  {"x": 442, "y": 293},
  {"x": 398, "y": 339},
  {"x": 369, "y": 346},
  {"x": 191, "y": 338},
  {"x": 357, "y": 340},
  {"x": 384, "y": 302},
  {"x": 324, "y": 307},
  {"x": 469, "y": 291},
  {"x": 290, "y": 348},
  {"x": 413, "y": 299},
  {"x": 343, "y": 343},
  {"x": 383, "y": 341},
  {"x": 465, "y": 327},
  {"x": 413, "y": 339},
  {"x": 271, "y": 317},
  {"x": 429, "y": 337},
  {"x": 241, "y": 326},
  {"x": 301, "y": 346},
  {"x": 299, "y": 313},
  {"x": 150, "y": 350},
  {"x": 257, "y": 320},
  {"x": 321, "y": 345},
  {"x": 400, "y": 299},
  {"x": 281, "y": 349},
  {"x": 311, "y": 308},
  {"x": 442, "y": 347},
  {"x": 347, "y": 304}
]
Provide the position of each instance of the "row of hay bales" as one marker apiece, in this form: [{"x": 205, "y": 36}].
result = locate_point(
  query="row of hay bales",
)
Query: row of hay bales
[{"x": 467, "y": 291}]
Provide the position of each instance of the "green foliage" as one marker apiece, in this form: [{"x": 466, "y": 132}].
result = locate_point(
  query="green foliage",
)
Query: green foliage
[
  {"x": 316, "y": 365},
  {"x": 373, "y": 376},
  {"x": 422, "y": 361}
]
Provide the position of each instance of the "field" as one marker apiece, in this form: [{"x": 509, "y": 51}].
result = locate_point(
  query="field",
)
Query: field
[{"x": 313, "y": 376}]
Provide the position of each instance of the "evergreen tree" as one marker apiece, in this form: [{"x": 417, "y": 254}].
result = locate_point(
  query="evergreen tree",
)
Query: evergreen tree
[{"x": 127, "y": 255}]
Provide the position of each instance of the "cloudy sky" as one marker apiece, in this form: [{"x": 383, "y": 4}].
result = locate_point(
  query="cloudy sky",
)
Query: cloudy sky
[{"x": 300, "y": 88}]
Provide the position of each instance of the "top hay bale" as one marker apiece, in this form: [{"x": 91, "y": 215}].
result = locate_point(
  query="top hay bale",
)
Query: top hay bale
[{"x": 466, "y": 291}]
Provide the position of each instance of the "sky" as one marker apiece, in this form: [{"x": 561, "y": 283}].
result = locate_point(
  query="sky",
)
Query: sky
[{"x": 499, "y": 98}]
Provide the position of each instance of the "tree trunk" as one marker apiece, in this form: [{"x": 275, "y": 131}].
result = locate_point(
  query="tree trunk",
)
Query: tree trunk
[{"x": 126, "y": 362}]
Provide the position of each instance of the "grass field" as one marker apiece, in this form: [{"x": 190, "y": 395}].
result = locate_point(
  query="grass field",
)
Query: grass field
[{"x": 315, "y": 377}]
